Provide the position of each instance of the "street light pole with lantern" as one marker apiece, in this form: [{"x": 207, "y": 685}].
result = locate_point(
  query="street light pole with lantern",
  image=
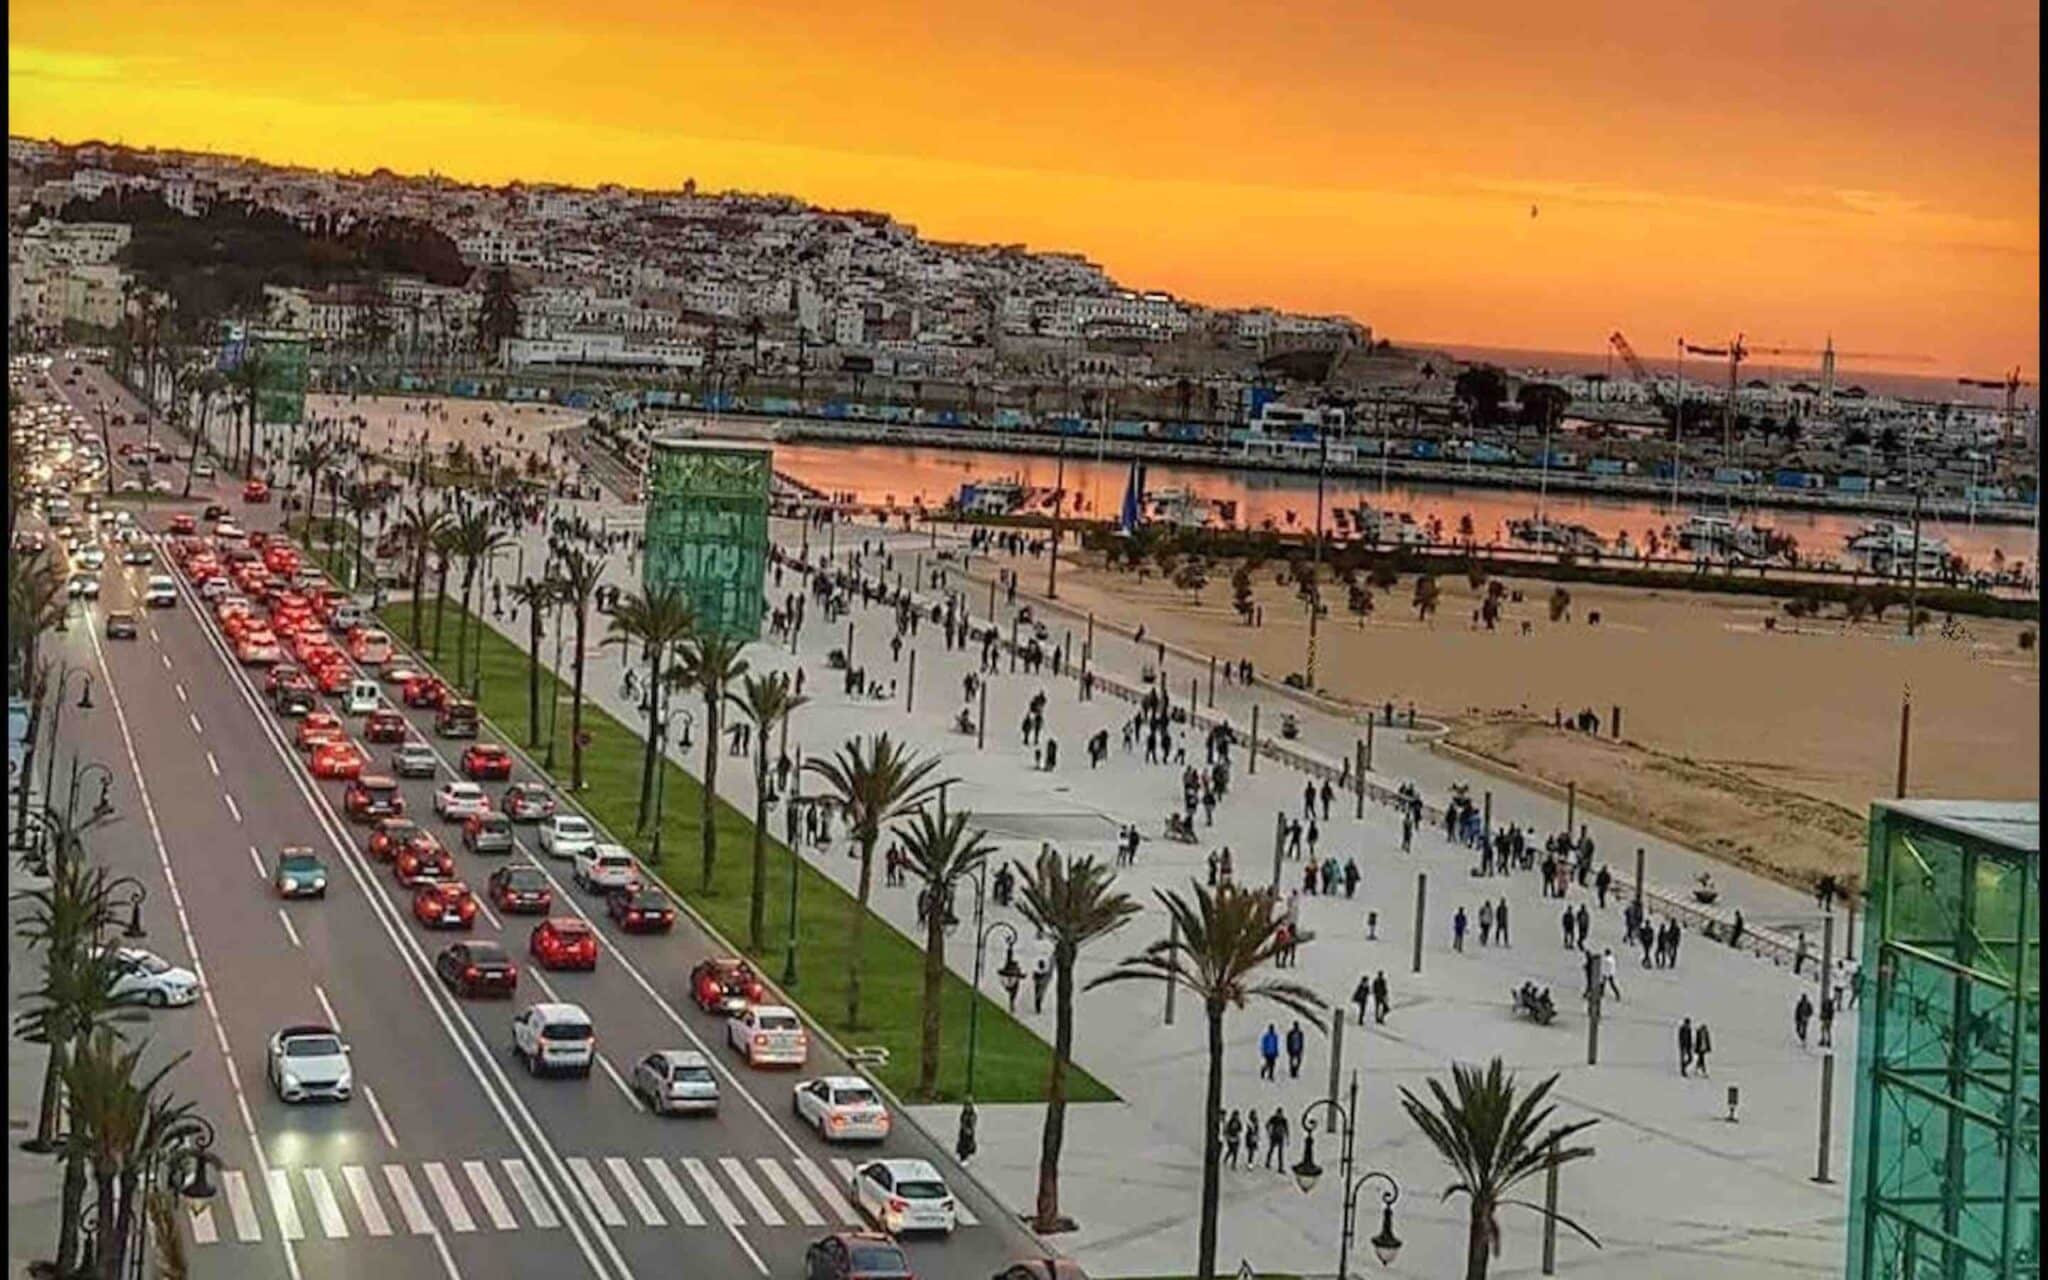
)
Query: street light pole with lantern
[
  {"x": 1385, "y": 1245},
  {"x": 1011, "y": 976}
]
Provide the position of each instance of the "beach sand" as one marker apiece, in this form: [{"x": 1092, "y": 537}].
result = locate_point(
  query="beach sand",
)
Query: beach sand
[
  {"x": 393, "y": 423},
  {"x": 1766, "y": 747}
]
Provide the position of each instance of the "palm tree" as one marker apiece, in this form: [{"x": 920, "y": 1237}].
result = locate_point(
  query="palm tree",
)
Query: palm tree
[
  {"x": 711, "y": 662},
  {"x": 1219, "y": 946},
  {"x": 312, "y": 460},
  {"x": 658, "y": 620},
  {"x": 580, "y": 576},
  {"x": 205, "y": 384},
  {"x": 534, "y": 595},
  {"x": 421, "y": 527},
  {"x": 116, "y": 1121},
  {"x": 1071, "y": 903},
  {"x": 446, "y": 544},
  {"x": 941, "y": 852},
  {"x": 876, "y": 780},
  {"x": 767, "y": 701},
  {"x": 1490, "y": 1138},
  {"x": 37, "y": 601},
  {"x": 247, "y": 379},
  {"x": 475, "y": 542},
  {"x": 360, "y": 499}
]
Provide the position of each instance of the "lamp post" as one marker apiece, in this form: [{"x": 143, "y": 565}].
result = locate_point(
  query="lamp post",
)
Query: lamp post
[
  {"x": 1385, "y": 1245},
  {"x": 188, "y": 1138},
  {"x": 1010, "y": 974},
  {"x": 56, "y": 721},
  {"x": 661, "y": 769},
  {"x": 101, "y": 808},
  {"x": 796, "y": 801},
  {"x": 1315, "y": 595}
]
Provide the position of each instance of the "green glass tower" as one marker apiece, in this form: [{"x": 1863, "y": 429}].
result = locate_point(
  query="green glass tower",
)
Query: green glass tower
[
  {"x": 707, "y": 529},
  {"x": 1946, "y": 1175}
]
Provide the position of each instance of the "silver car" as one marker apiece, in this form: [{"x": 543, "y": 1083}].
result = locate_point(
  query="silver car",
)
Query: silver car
[{"x": 674, "y": 1081}]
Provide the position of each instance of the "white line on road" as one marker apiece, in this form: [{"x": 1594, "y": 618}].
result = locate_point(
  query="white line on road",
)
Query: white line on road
[
  {"x": 365, "y": 1193},
  {"x": 196, "y": 728},
  {"x": 643, "y": 1204},
  {"x": 232, "y": 806},
  {"x": 593, "y": 1186},
  {"x": 282, "y": 1206},
  {"x": 408, "y": 1197},
  {"x": 722, "y": 1205},
  {"x": 257, "y": 858},
  {"x": 213, "y": 764},
  {"x": 764, "y": 1208},
  {"x": 487, "y": 1192},
  {"x": 165, "y": 656},
  {"x": 632, "y": 1099},
  {"x": 320, "y": 993},
  {"x": 290, "y": 932},
  {"x": 377, "y": 1110},
  {"x": 180, "y": 687},
  {"x": 452, "y": 1207},
  {"x": 785, "y": 1186},
  {"x": 325, "y": 1206},
  {"x": 679, "y": 1199},
  {"x": 241, "y": 1205},
  {"x": 529, "y": 1193}
]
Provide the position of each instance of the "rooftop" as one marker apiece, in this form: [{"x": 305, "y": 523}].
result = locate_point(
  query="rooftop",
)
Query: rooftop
[{"x": 2016, "y": 824}]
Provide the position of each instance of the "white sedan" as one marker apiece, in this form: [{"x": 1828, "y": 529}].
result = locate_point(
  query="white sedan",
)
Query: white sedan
[
  {"x": 842, "y": 1109},
  {"x": 904, "y": 1195},
  {"x": 460, "y": 800},
  {"x": 768, "y": 1033},
  {"x": 145, "y": 977}
]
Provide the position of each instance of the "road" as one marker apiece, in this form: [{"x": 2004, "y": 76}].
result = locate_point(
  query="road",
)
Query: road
[{"x": 450, "y": 1161}]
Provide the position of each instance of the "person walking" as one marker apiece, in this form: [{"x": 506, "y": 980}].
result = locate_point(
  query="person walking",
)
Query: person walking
[
  {"x": 1500, "y": 922},
  {"x": 1350, "y": 877},
  {"x": 1269, "y": 1052},
  {"x": 1251, "y": 1136},
  {"x": 1297, "y": 1046},
  {"x": 1407, "y": 832},
  {"x": 1702, "y": 1044},
  {"x": 1571, "y": 922},
  {"x": 1041, "y": 978},
  {"x": 1827, "y": 1020},
  {"x": 1361, "y": 995},
  {"x": 1799, "y": 956},
  {"x": 1685, "y": 1047},
  {"x": 1458, "y": 930},
  {"x": 1379, "y": 996},
  {"x": 1607, "y": 975},
  {"x": 1233, "y": 1134},
  {"x": 1802, "y": 1017},
  {"x": 1485, "y": 922},
  {"x": 1276, "y": 1140},
  {"x": 1601, "y": 884},
  {"x": 1584, "y": 922}
]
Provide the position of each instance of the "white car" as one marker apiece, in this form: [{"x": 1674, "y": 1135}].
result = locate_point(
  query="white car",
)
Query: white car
[
  {"x": 554, "y": 1037},
  {"x": 904, "y": 1195},
  {"x": 91, "y": 557},
  {"x": 309, "y": 1061},
  {"x": 203, "y": 471},
  {"x": 460, "y": 800},
  {"x": 145, "y": 977},
  {"x": 84, "y": 586},
  {"x": 672, "y": 1081},
  {"x": 604, "y": 867},
  {"x": 566, "y": 834},
  {"x": 161, "y": 593},
  {"x": 769, "y": 1034},
  {"x": 214, "y": 588},
  {"x": 842, "y": 1109}
]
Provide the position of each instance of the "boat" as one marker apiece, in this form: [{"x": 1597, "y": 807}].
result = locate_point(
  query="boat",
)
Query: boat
[
  {"x": 992, "y": 497},
  {"x": 1389, "y": 528},
  {"x": 1186, "y": 509},
  {"x": 1549, "y": 535},
  {"x": 1713, "y": 537},
  {"x": 1886, "y": 549}
]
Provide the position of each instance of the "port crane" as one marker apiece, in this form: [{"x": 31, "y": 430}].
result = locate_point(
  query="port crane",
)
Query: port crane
[
  {"x": 2010, "y": 384},
  {"x": 1736, "y": 351},
  {"x": 1635, "y": 367}
]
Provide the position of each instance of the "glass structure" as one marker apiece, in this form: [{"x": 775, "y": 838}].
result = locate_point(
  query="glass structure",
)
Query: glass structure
[
  {"x": 1946, "y": 1174},
  {"x": 281, "y": 393},
  {"x": 707, "y": 530}
]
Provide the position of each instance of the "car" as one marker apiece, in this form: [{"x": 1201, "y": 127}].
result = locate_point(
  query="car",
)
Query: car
[
  {"x": 856, "y": 1255},
  {"x": 415, "y": 760},
  {"x": 477, "y": 968},
  {"x": 183, "y": 523},
  {"x": 841, "y": 1109},
  {"x": 299, "y": 874},
  {"x": 391, "y": 835},
  {"x": 255, "y": 491},
  {"x": 563, "y": 942},
  {"x": 214, "y": 587},
  {"x": 565, "y": 835},
  {"x": 454, "y": 800},
  {"x": 276, "y": 676},
  {"x": 84, "y": 586},
  {"x": 373, "y": 796},
  {"x": 487, "y": 833},
  {"x": 520, "y": 889},
  {"x": 768, "y": 1034},
  {"x": 904, "y": 1195},
  {"x": 214, "y": 511},
  {"x": 160, "y": 592},
  {"x": 121, "y": 625},
  {"x": 360, "y": 697},
  {"x": 138, "y": 554},
  {"x": 641, "y": 910},
  {"x": 370, "y": 647},
  {"x": 384, "y": 725},
  {"x": 444, "y": 904},
  {"x": 725, "y": 984},
  {"x": 423, "y": 691},
  {"x": 319, "y": 727},
  {"x": 258, "y": 650},
  {"x": 295, "y": 699},
  {"x": 553, "y": 1037},
  {"x": 1038, "y": 1268},
  {"x": 416, "y": 864},
  {"x": 604, "y": 867},
  {"x": 341, "y": 759},
  {"x": 486, "y": 762},
  {"x": 334, "y": 677},
  {"x": 527, "y": 802},
  {"x": 307, "y": 1062},
  {"x": 144, "y": 977},
  {"x": 457, "y": 718},
  {"x": 91, "y": 557},
  {"x": 676, "y": 1082},
  {"x": 397, "y": 673}
]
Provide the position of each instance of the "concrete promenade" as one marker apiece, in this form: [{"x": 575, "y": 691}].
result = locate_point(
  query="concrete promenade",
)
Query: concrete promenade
[{"x": 1676, "y": 1190}]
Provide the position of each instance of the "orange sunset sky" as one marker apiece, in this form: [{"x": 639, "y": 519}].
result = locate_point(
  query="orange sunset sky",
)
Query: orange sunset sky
[{"x": 1790, "y": 169}]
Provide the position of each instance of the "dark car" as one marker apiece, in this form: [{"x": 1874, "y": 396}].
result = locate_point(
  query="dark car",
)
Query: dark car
[
  {"x": 641, "y": 910},
  {"x": 856, "y": 1255},
  {"x": 415, "y": 760},
  {"x": 520, "y": 890},
  {"x": 456, "y": 719},
  {"x": 294, "y": 700},
  {"x": 120, "y": 626},
  {"x": 373, "y": 796},
  {"x": 476, "y": 969}
]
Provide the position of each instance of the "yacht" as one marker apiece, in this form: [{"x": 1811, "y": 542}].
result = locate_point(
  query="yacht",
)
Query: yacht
[
  {"x": 1385, "y": 528},
  {"x": 992, "y": 497},
  {"x": 1186, "y": 509},
  {"x": 1714, "y": 537},
  {"x": 1549, "y": 535},
  {"x": 1886, "y": 548}
]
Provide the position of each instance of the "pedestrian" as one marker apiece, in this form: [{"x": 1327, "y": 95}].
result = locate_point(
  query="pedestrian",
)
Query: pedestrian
[
  {"x": 1702, "y": 1044},
  {"x": 1297, "y": 1045},
  {"x": 1685, "y": 1047},
  {"x": 1251, "y": 1136},
  {"x": 1799, "y": 956},
  {"x": 1571, "y": 923},
  {"x": 1361, "y": 995},
  {"x": 1607, "y": 974},
  {"x": 1802, "y": 1017},
  {"x": 1458, "y": 930},
  {"x": 1276, "y": 1139},
  {"x": 1407, "y": 832},
  {"x": 1601, "y": 884},
  {"x": 1582, "y": 930},
  {"x": 1500, "y": 922},
  {"x": 1350, "y": 877},
  {"x": 1827, "y": 1020},
  {"x": 1485, "y": 922},
  {"x": 1041, "y": 978},
  {"x": 1379, "y": 996},
  {"x": 1233, "y": 1134},
  {"x": 1269, "y": 1052}
]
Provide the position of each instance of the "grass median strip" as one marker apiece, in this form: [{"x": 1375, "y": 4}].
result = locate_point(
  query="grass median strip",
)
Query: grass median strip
[{"x": 1011, "y": 1060}]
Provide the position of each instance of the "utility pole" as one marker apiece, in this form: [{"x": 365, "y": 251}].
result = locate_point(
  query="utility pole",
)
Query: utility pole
[
  {"x": 1827, "y": 1062},
  {"x": 1315, "y": 594},
  {"x": 1905, "y": 737},
  {"x": 1059, "y": 502},
  {"x": 1421, "y": 897},
  {"x": 1913, "y": 583}
]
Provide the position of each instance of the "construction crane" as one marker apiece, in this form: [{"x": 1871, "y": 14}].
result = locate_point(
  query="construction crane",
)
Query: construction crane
[
  {"x": 1736, "y": 351},
  {"x": 2010, "y": 384},
  {"x": 1635, "y": 367}
]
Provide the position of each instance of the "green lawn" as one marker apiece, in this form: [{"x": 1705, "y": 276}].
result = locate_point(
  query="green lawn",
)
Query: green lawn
[{"x": 1011, "y": 1059}]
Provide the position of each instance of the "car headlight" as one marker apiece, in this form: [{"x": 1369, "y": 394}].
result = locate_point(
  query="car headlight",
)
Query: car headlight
[
  {"x": 319, "y": 882},
  {"x": 290, "y": 1082}
]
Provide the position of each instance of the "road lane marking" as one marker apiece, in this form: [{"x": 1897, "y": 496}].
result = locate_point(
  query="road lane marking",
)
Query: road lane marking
[
  {"x": 165, "y": 656},
  {"x": 632, "y": 1099},
  {"x": 963, "y": 1214},
  {"x": 195, "y": 722},
  {"x": 451, "y": 1199},
  {"x": 678, "y": 1199},
  {"x": 241, "y": 1205},
  {"x": 786, "y": 1187},
  {"x": 180, "y": 687},
  {"x": 213, "y": 764},
  {"x": 721, "y": 1203},
  {"x": 290, "y": 932},
  {"x": 320, "y": 993},
  {"x": 844, "y": 1168},
  {"x": 377, "y": 1110},
  {"x": 365, "y": 1193},
  {"x": 486, "y": 1190},
  {"x": 834, "y": 1198},
  {"x": 232, "y": 806},
  {"x": 262, "y": 873},
  {"x": 325, "y": 1206},
  {"x": 409, "y": 1205},
  {"x": 523, "y": 1182},
  {"x": 203, "y": 1230},
  {"x": 764, "y": 1208},
  {"x": 282, "y": 1206},
  {"x": 643, "y": 1204},
  {"x": 607, "y": 1208}
]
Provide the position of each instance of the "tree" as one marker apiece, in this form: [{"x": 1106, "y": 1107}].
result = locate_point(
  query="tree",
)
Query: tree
[
  {"x": 1560, "y": 604},
  {"x": 1475, "y": 575},
  {"x": 360, "y": 499},
  {"x": 1466, "y": 533},
  {"x": 533, "y": 595},
  {"x": 876, "y": 781},
  {"x": 941, "y": 852},
  {"x": 658, "y": 621},
  {"x": 1427, "y": 593},
  {"x": 1479, "y": 392},
  {"x": 1241, "y": 598},
  {"x": 447, "y": 546},
  {"x": 711, "y": 662},
  {"x": 311, "y": 461},
  {"x": 476, "y": 541},
  {"x": 1543, "y": 403},
  {"x": 421, "y": 527},
  {"x": 499, "y": 317},
  {"x": 768, "y": 701},
  {"x": 247, "y": 379},
  {"x": 1491, "y": 1139},
  {"x": 1191, "y": 578},
  {"x": 1071, "y": 904},
  {"x": 579, "y": 578},
  {"x": 1223, "y": 941}
]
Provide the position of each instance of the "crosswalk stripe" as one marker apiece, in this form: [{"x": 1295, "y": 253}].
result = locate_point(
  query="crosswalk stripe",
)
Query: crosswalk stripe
[
  {"x": 451, "y": 1199},
  {"x": 203, "y": 1230},
  {"x": 325, "y": 1206},
  {"x": 962, "y": 1214},
  {"x": 678, "y": 1199},
  {"x": 365, "y": 1193},
  {"x": 283, "y": 1207},
  {"x": 530, "y": 1194},
  {"x": 834, "y": 1197},
  {"x": 721, "y": 1204},
  {"x": 764, "y": 1208},
  {"x": 408, "y": 1196},
  {"x": 643, "y": 1204},
  {"x": 241, "y": 1205},
  {"x": 586, "y": 1177},
  {"x": 785, "y": 1186},
  {"x": 844, "y": 1168},
  {"x": 487, "y": 1191}
]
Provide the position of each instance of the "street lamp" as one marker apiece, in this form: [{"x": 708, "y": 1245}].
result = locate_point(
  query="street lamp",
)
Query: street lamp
[
  {"x": 57, "y": 720},
  {"x": 1386, "y": 1245},
  {"x": 188, "y": 1138},
  {"x": 661, "y": 773},
  {"x": 140, "y": 893},
  {"x": 1010, "y": 974}
]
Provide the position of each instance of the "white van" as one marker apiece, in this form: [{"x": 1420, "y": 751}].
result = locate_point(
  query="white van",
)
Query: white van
[
  {"x": 362, "y": 698},
  {"x": 554, "y": 1037}
]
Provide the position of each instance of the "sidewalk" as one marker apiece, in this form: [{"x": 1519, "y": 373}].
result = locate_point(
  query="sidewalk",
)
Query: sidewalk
[
  {"x": 34, "y": 1182},
  {"x": 1673, "y": 1177}
]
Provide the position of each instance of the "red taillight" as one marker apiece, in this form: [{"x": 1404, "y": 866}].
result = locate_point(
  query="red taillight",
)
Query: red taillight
[
  {"x": 468, "y": 908},
  {"x": 897, "y": 1205},
  {"x": 471, "y": 972},
  {"x": 632, "y": 915}
]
